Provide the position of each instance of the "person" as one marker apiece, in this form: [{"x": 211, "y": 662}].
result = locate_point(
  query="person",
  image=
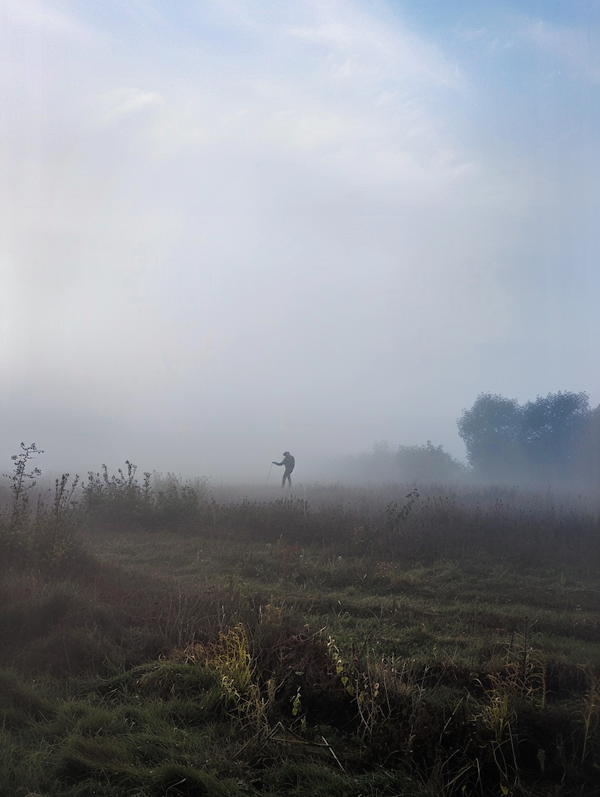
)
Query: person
[{"x": 289, "y": 462}]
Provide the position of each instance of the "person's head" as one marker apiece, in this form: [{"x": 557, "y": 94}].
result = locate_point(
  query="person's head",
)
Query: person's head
[{"x": 286, "y": 453}]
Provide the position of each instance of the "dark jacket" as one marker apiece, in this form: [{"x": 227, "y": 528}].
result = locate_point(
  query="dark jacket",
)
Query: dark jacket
[{"x": 288, "y": 461}]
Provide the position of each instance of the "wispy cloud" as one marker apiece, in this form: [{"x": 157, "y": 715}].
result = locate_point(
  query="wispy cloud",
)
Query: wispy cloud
[
  {"x": 326, "y": 79},
  {"x": 576, "y": 49},
  {"x": 358, "y": 46},
  {"x": 125, "y": 102}
]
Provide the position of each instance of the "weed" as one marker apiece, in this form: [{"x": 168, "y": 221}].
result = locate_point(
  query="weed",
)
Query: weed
[
  {"x": 591, "y": 714},
  {"x": 22, "y": 482}
]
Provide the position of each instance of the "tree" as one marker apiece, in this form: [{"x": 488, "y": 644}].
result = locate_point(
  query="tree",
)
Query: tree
[
  {"x": 587, "y": 457},
  {"x": 543, "y": 440},
  {"x": 551, "y": 431},
  {"x": 491, "y": 434}
]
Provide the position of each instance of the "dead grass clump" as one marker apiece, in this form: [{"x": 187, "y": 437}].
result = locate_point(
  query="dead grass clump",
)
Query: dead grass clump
[
  {"x": 298, "y": 667},
  {"x": 185, "y": 781},
  {"x": 31, "y": 616},
  {"x": 21, "y": 702},
  {"x": 565, "y": 679},
  {"x": 72, "y": 652},
  {"x": 83, "y": 757},
  {"x": 172, "y": 680},
  {"x": 67, "y": 628}
]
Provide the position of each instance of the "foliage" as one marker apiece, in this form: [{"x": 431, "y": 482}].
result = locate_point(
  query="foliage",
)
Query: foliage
[
  {"x": 21, "y": 483},
  {"x": 490, "y": 431},
  {"x": 46, "y": 534},
  {"x": 158, "y": 502},
  {"x": 541, "y": 441},
  {"x": 428, "y": 463},
  {"x": 419, "y": 463},
  {"x": 551, "y": 428},
  {"x": 587, "y": 453}
]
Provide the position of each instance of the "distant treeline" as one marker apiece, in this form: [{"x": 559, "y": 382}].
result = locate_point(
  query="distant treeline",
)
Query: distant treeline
[
  {"x": 424, "y": 463},
  {"x": 554, "y": 440}
]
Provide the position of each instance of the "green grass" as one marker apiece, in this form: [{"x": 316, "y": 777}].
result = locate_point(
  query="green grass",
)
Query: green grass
[{"x": 366, "y": 645}]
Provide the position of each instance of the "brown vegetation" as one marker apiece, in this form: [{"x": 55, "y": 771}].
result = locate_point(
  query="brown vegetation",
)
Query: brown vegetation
[{"x": 155, "y": 640}]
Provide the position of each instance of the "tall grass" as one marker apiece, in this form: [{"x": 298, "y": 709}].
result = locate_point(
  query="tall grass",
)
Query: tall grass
[{"x": 164, "y": 637}]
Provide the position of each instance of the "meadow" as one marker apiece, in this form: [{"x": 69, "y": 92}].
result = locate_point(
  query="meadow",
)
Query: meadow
[{"x": 165, "y": 637}]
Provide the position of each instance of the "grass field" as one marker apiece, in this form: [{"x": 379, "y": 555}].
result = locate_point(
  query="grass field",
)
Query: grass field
[{"x": 165, "y": 638}]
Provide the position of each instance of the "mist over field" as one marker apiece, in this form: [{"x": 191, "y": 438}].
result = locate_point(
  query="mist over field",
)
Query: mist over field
[
  {"x": 299, "y": 398},
  {"x": 232, "y": 229}
]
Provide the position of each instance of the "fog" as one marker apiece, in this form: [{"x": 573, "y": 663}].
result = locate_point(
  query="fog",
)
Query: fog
[{"x": 232, "y": 229}]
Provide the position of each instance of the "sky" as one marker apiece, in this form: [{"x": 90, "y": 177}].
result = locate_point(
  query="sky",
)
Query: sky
[{"x": 232, "y": 228}]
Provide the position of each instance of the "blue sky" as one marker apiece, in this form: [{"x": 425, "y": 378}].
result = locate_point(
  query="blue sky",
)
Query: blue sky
[{"x": 230, "y": 228}]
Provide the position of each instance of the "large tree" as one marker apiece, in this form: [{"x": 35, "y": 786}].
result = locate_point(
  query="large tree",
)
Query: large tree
[
  {"x": 587, "y": 465},
  {"x": 551, "y": 432},
  {"x": 541, "y": 440},
  {"x": 490, "y": 431}
]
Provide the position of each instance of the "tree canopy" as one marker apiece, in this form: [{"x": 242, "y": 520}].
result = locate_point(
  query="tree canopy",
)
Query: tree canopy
[
  {"x": 541, "y": 439},
  {"x": 490, "y": 431}
]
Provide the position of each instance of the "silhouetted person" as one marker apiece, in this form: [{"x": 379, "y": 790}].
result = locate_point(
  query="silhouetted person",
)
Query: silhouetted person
[{"x": 289, "y": 462}]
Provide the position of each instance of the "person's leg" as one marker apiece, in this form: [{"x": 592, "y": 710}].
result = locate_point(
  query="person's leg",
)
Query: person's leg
[{"x": 283, "y": 480}]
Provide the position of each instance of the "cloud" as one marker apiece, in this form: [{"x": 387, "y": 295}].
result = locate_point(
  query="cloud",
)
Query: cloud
[
  {"x": 330, "y": 83},
  {"x": 357, "y": 49},
  {"x": 124, "y": 102},
  {"x": 576, "y": 49}
]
